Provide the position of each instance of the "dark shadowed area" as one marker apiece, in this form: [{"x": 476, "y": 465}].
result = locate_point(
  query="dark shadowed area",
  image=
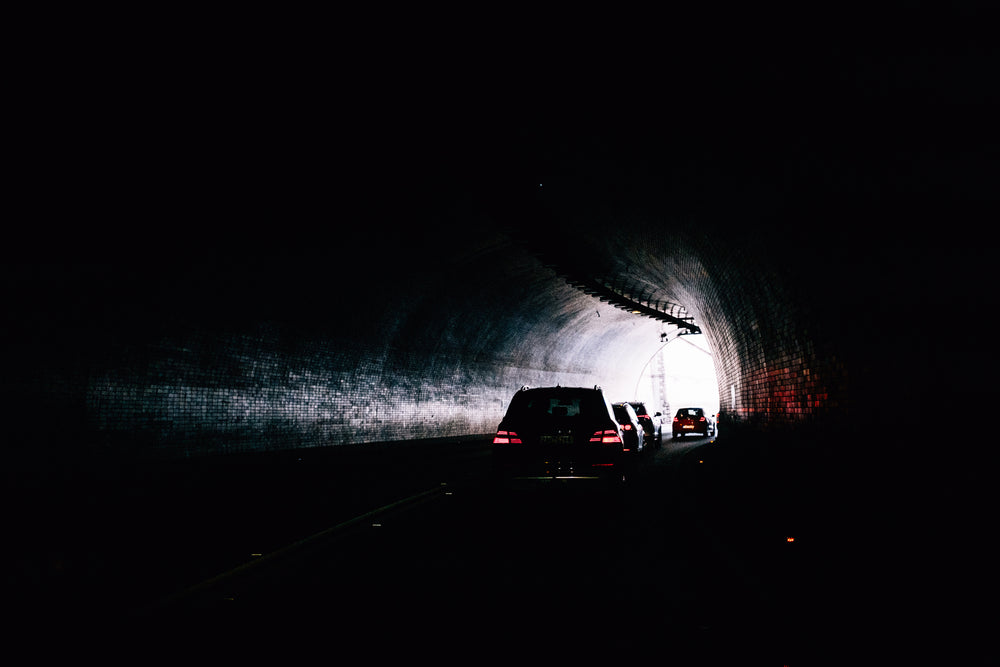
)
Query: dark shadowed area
[{"x": 293, "y": 308}]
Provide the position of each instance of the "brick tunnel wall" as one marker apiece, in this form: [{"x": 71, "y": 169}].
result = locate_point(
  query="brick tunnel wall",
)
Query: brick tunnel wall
[
  {"x": 831, "y": 280},
  {"x": 218, "y": 360},
  {"x": 183, "y": 360},
  {"x": 776, "y": 366},
  {"x": 368, "y": 312},
  {"x": 853, "y": 319},
  {"x": 240, "y": 359}
]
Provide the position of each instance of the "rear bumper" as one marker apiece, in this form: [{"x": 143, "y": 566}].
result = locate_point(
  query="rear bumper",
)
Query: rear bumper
[
  {"x": 691, "y": 431},
  {"x": 524, "y": 465}
]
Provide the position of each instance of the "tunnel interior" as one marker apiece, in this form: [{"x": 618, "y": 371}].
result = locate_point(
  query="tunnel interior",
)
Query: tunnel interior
[
  {"x": 241, "y": 258},
  {"x": 806, "y": 260},
  {"x": 273, "y": 260}
]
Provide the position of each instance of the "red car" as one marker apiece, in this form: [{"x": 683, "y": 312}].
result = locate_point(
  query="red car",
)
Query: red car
[{"x": 693, "y": 420}]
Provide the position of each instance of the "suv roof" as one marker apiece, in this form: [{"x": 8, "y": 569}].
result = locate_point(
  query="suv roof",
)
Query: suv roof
[
  {"x": 593, "y": 401},
  {"x": 625, "y": 406}
]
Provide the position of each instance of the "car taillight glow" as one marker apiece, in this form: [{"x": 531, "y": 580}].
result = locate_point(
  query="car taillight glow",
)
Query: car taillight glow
[
  {"x": 607, "y": 437},
  {"x": 676, "y": 419},
  {"x": 507, "y": 438},
  {"x": 627, "y": 427},
  {"x": 701, "y": 419}
]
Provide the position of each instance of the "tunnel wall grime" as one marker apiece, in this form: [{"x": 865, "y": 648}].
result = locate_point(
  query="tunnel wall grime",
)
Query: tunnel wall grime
[
  {"x": 413, "y": 296},
  {"x": 820, "y": 297},
  {"x": 169, "y": 361},
  {"x": 238, "y": 360},
  {"x": 779, "y": 365},
  {"x": 776, "y": 370}
]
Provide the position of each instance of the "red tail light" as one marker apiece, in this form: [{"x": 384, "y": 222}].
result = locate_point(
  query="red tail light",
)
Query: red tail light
[
  {"x": 627, "y": 427},
  {"x": 677, "y": 419},
  {"x": 701, "y": 419},
  {"x": 507, "y": 438},
  {"x": 608, "y": 437}
]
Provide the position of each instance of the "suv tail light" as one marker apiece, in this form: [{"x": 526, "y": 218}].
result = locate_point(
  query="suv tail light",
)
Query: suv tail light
[
  {"x": 702, "y": 419},
  {"x": 607, "y": 437},
  {"x": 677, "y": 420},
  {"x": 506, "y": 438}
]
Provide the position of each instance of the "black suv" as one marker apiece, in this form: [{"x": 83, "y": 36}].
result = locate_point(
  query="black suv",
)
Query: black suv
[{"x": 559, "y": 433}]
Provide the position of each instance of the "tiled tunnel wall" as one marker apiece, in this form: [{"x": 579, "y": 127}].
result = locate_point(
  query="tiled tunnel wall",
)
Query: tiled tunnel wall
[
  {"x": 235, "y": 358},
  {"x": 831, "y": 288},
  {"x": 181, "y": 367},
  {"x": 425, "y": 330},
  {"x": 132, "y": 363}
]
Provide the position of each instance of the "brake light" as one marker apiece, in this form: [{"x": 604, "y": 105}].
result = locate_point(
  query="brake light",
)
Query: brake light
[
  {"x": 507, "y": 438},
  {"x": 701, "y": 419},
  {"x": 676, "y": 419},
  {"x": 627, "y": 427},
  {"x": 607, "y": 437}
]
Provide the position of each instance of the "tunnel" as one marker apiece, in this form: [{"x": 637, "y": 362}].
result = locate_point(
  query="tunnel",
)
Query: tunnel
[
  {"x": 220, "y": 292},
  {"x": 432, "y": 297}
]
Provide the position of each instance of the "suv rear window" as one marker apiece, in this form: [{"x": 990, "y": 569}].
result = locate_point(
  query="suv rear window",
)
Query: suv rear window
[
  {"x": 689, "y": 412},
  {"x": 558, "y": 404}
]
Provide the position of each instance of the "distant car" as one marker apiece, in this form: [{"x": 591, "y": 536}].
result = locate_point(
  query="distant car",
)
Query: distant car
[
  {"x": 559, "y": 433},
  {"x": 631, "y": 427},
  {"x": 652, "y": 425},
  {"x": 693, "y": 420}
]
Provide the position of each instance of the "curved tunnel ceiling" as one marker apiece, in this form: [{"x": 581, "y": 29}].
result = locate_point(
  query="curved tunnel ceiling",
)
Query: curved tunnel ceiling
[{"x": 398, "y": 277}]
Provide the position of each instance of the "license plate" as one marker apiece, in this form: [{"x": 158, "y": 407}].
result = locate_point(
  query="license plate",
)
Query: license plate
[
  {"x": 556, "y": 439},
  {"x": 691, "y": 426}
]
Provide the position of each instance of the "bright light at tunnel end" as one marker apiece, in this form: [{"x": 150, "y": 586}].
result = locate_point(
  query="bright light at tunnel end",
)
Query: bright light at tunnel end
[{"x": 680, "y": 374}]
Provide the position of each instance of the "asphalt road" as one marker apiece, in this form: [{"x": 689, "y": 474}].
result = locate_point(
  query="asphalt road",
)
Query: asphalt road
[
  {"x": 461, "y": 569},
  {"x": 711, "y": 553}
]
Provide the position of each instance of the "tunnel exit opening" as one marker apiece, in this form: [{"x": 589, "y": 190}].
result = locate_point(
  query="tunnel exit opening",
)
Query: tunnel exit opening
[{"x": 680, "y": 374}]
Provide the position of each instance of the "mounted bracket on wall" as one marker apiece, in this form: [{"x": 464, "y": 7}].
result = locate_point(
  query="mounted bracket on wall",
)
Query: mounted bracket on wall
[{"x": 663, "y": 311}]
